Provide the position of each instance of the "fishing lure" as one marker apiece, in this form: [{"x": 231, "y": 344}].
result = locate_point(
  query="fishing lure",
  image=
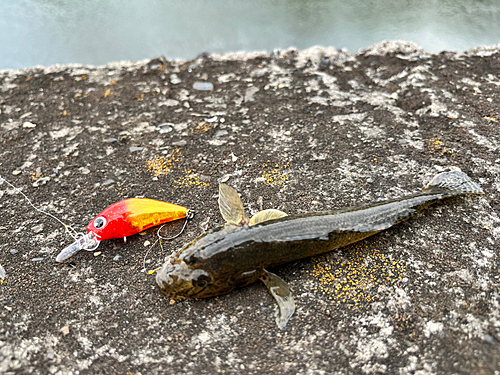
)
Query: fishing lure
[{"x": 123, "y": 219}]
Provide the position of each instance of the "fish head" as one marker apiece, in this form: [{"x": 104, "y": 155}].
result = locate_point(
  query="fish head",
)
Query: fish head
[
  {"x": 187, "y": 274},
  {"x": 193, "y": 273},
  {"x": 177, "y": 279},
  {"x": 183, "y": 277}
]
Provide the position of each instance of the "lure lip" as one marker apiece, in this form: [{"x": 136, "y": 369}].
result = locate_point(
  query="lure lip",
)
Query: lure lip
[{"x": 88, "y": 242}]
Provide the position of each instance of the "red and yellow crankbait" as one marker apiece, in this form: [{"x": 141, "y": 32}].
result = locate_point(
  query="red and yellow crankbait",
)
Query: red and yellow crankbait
[{"x": 123, "y": 219}]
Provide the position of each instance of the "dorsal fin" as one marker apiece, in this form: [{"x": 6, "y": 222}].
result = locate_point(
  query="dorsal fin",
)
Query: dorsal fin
[
  {"x": 230, "y": 205},
  {"x": 266, "y": 215}
]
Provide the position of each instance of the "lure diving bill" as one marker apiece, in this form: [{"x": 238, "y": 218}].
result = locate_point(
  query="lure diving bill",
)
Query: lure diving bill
[
  {"x": 123, "y": 219},
  {"x": 238, "y": 253}
]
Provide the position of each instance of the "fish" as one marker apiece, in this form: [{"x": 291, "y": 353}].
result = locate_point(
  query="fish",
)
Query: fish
[
  {"x": 237, "y": 253},
  {"x": 123, "y": 219}
]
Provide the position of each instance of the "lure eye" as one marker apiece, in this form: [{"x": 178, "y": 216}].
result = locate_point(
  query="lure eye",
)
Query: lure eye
[{"x": 100, "y": 222}]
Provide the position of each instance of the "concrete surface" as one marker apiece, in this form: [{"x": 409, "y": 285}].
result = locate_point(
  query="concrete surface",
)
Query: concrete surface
[{"x": 293, "y": 130}]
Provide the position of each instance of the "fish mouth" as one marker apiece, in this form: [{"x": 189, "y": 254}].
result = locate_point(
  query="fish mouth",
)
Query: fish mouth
[
  {"x": 164, "y": 281},
  {"x": 173, "y": 279}
]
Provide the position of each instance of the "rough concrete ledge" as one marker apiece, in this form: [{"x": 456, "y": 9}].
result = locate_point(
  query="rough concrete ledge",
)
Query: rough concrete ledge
[{"x": 294, "y": 130}]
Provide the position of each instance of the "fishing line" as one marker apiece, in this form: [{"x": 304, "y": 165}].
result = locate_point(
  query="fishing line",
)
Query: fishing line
[
  {"x": 73, "y": 233},
  {"x": 189, "y": 216}
]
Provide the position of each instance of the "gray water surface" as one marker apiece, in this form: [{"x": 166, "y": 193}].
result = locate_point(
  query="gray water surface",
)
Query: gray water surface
[{"x": 45, "y": 32}]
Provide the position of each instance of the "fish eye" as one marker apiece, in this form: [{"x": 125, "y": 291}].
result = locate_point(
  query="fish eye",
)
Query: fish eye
[
  {"x": 201, "y": 281},
  {"x": 100, "y": 222}
]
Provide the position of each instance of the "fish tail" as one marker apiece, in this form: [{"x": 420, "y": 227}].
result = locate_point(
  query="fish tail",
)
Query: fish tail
[{"x": 453, "y": 183}]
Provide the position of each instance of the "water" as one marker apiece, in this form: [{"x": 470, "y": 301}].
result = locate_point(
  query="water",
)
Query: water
[{"x": 46, "y": 32}]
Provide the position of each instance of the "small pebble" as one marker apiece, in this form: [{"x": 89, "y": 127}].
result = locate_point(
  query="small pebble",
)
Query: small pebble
[
  {"x": 147, "y": 243},
  {"x": 117, "y": 257},
  {"x": 111, "y": 140},
  {"x": 108, "y": 182},
  {"x": 41, "y": 181},
  {"x": 220, "y": 133},
  {"x": 179, "y": 143},
  {"x": 174, "y": 80},
  {"x": 13, "y": 251},
  {"x": 134, "y": 149},
  {"x": 28, "y": 124},
  {"x": 325, "y": 61},
  {"x": 225, "y": 178},
  {"x": 50, "y": 356},
  {"x": 369, "y": 180},
  {"x": 16, "y": 172},
  {"x": 64, "y": 330},
  {"x": 8, "y": 308},
  {"x": 36, "y": 259},
  {"x": 402, "y": 141},
  {"x": 203, "y": 86},
  {"x": 37, "y": 228},
  {"x": 166, "y": 127},
  {"x": 97, "y": 253}
]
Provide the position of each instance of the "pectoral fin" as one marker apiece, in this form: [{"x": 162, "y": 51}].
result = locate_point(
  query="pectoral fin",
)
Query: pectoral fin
[
  {"x": 266, "y": 215},
  {"x": 230, "y": 205},
  {"x": 281, "y": 293}
]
